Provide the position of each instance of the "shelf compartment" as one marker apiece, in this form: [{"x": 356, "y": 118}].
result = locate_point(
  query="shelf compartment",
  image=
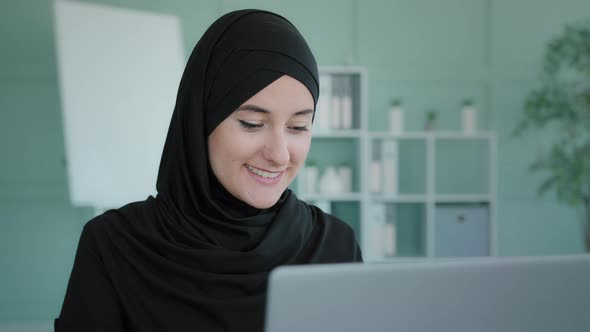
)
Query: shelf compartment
[
  {"x": 404, "y": 160},
  {"x": 347, "y": 211},
  {"x": 410, "y": 225},
  {"x": 342, "y": 150},
  {"x": 398, "y": 230},
  {"x": 462, "y": 166},
  {"x": 339, "y": 104}
]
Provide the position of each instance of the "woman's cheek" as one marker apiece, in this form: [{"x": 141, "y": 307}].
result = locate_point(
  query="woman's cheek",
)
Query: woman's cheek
[{"x": 300, "y": 148}]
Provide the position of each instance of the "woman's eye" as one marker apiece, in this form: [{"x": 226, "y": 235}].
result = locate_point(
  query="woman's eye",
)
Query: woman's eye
[
  {"x": 303, "y": 128},
  {"x": 249, "y": 125}
]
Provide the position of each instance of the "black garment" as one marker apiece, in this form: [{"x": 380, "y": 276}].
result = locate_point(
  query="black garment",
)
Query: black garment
[{"x": 195, "y": 258}]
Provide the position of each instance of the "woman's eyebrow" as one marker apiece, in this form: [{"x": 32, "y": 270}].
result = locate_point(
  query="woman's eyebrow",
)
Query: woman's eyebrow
[
  {"x": 253, "y": 108},
  {"x": 258, "y": 109},
  {"x": 303, "y": 112}
]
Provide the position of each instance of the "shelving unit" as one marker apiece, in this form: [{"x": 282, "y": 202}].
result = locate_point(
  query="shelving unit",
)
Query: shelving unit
[
  {"x": 415, "y": 205},
  {"x": 346, "y": 144},
  {"x": 432, "y": 199}
]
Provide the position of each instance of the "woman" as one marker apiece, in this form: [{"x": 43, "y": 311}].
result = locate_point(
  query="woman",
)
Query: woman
[{"x": 197, "y": 256}]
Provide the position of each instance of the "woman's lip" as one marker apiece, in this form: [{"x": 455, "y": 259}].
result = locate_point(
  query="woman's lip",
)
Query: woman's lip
[
  {"x": 263, "y": 180},
  {"x": 262, "y": 169}
]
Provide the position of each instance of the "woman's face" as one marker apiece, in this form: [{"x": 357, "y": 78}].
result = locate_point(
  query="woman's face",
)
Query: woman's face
[{"x": 257, "y": 151}]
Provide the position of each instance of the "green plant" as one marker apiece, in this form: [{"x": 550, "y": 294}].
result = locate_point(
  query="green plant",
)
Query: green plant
[
  {"x": 395, "y": 102},
  {"x": 562, "y": 103},
  {"x": 431, "y": 116},
  {"x": 468, "y": 102}
]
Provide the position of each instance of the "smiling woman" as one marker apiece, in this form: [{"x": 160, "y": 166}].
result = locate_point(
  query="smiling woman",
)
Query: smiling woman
[
  {"x": 257, "y": 151},
  {"x": 198, "y": 255}
]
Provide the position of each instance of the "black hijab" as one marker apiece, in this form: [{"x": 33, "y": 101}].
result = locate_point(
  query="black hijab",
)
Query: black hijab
[{"x": 195, "y": 258}]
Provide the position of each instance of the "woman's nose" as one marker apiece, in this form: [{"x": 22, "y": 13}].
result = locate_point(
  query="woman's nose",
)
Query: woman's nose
[{"x": 276, "y": 149}]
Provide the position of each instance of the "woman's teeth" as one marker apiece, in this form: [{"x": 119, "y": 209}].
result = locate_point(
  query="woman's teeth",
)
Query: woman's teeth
[{"x": 262, "y": 173}]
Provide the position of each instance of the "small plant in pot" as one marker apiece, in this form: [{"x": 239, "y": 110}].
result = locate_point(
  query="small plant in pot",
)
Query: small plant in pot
[
  {"x": 396, "y": 102},
  {"x": 431, "y": 116},
  {"x": 396, "y": 116}
]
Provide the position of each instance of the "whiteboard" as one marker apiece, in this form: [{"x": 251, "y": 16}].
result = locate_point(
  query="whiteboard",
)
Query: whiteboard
[{"x": 119, "y": 72}]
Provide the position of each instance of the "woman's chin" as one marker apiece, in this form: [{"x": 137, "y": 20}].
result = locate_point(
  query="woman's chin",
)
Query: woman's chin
[
  {"x": 262, "y": 204},
  {"x": 265, "y": 203}
]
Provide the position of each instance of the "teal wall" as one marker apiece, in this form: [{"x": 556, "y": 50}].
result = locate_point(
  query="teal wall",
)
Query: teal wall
[{"x": 431, "y": 53}]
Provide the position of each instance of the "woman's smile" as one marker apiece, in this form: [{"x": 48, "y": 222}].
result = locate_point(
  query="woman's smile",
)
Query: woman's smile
[{"x": 264, "y": 176}]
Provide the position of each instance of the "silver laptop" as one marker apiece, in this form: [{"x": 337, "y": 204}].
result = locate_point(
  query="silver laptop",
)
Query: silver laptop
[{"x": 499, "y": 294}]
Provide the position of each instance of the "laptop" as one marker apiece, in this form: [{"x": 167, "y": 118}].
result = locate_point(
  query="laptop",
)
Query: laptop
[{"x": 490, "y": 294}]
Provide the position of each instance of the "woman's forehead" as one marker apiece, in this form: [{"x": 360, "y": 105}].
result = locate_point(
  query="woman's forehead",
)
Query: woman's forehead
[{"x": 256, "y": 109}]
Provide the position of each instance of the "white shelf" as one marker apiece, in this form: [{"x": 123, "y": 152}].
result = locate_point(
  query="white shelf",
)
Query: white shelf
[
  {"x": 432, "y": 134},
  {"x": 337, "y": 133},
  {"x": 404, "y": 198},
  {"x": 440, "y": 198},
  {"x": 465, "y": 198},
  {"x": 332, "y": 198}
]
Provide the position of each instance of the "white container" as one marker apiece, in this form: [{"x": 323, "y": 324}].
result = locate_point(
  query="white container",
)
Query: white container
[
  {"x": 330, "y": 182},
  {"x": 389, "y": 239},
  {"x": 396, "y": 120},
  {"x": 323, "y": 108},
  {"x": 321, "y": 121},
  {"x": 376, "y": 171},
  {"x": 345, "y": 173},
  {"x": 390, "y": 176},
  {"x": 469, "y": 119},
  {"x": 336, "y": 112},
  {"x": 346, "y": 120},
  {"x": 377, "y": 218},
  {"x": 389, "y": 148},
  {"x": 311, "y": 179},
  {"x": 389, "y": 154}
]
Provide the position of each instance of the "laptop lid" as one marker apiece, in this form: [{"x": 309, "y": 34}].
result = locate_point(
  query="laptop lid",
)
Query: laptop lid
[{"x": 550, "y": 293}]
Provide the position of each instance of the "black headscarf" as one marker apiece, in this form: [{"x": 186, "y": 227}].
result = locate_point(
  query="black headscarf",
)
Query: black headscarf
[{"x": 195, "y": 258}]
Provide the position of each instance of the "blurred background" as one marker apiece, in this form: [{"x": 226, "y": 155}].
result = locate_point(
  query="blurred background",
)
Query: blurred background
[{"x": 428, "y": 59}]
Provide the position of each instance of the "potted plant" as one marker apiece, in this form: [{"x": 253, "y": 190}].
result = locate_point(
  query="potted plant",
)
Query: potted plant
[
  {"x": 311, "y": 173},
  {"x": 431, "y": 116},
  {"x": 396, "y": 116},
  {"x": 396, "y": 102},
  {"x": 468, "y": 116},
  {"x": 562, "y": 102}
]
